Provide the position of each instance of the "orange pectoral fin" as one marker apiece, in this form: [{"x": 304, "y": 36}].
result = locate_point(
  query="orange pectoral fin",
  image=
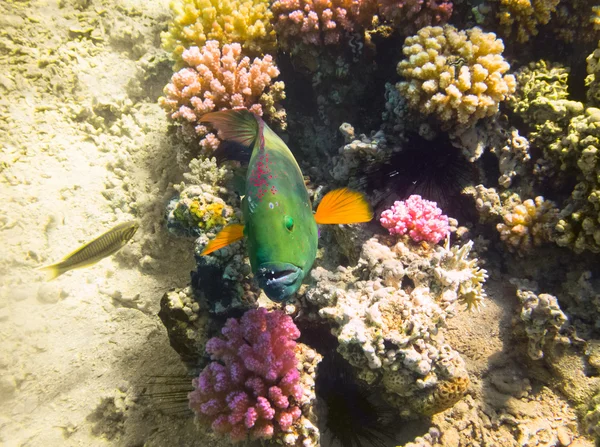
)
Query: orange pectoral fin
[
  {"x": 343, "y": 206},
  {"x": 228, "y": 235}
]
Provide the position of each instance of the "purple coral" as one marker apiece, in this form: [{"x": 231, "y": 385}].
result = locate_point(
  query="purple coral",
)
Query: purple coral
[
  {"x": 421, "y": 219},
  {"x": 252, "y": 387}
]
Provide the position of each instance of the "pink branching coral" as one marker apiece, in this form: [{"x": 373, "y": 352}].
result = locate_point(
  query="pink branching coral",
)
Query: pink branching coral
[
  {"x": 252, "y": 388},
  {"x": 412, "y": 15},
  {"x": 219, "y": 79},
  {"x": 421, "y": 219},
  {"x": 320, "y": 21}
]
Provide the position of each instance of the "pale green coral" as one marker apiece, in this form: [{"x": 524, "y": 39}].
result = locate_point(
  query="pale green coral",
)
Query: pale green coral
[
  {"x": 579, "y": 225},
  {"x": 592, "y": 81},
  {"x": 541, "y": 100},
  {"x": 247, "y": 22}
]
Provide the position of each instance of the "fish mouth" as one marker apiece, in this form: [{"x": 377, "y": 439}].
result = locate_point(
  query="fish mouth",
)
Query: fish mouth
[{"x": 279, "y": 280}]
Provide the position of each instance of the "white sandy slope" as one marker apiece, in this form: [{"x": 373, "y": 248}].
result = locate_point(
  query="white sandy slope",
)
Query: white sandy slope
[{"x": 84, "y": 146}]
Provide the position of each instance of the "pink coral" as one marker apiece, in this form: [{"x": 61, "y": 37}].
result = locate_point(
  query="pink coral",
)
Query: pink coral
[
  {"x": 252, "y": 388},
  {"x": 421, "y": 219},
  {"x": 412, "y": 15},
  {"x": 219, "y": 79},
  {"x": 320, "y": 21}
]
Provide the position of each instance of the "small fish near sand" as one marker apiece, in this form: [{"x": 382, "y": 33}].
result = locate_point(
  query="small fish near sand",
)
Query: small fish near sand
[
  {"x": 279, "y": 224},
  {"x": 108, "y": 243}
]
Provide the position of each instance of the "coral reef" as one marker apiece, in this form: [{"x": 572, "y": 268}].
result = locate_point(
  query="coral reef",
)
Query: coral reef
[
  {"x": 392, "y": 333},
  {"x": 185, "y": 323},
  {"x": 220, "y": 78},
  {"x": 195, "y": 22},
  {"x": 592, "y": 81},
  {"x": 522, "y": 17},
  {"x": 541, "y": 317},
  {"x": 254, "y": 387},
  {"x": 195, "y": 211},
  {"x": 527, "y": 224},
  {"x": 458, "y": 76},
  {"x": 579, "y": 224},
  {"x": 321, "y": 21},
  {"x": 421, "y": 219},
  {"x": 408, "y": 16}
]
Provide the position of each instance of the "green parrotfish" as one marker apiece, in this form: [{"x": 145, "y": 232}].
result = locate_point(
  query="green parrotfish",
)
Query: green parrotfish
[{"x": 279, "y": 224}]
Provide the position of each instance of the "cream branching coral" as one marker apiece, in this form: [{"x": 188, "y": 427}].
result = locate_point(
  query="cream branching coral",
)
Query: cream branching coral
[
  {"x": 458, "y": 76},
  {"x": 218, "y": 79},
  {"x": 527, "y": 224},
  {"x": 247, "y": 22},
  {"x": 593, "y": 76},
  {"x": 524, "y": 16}
]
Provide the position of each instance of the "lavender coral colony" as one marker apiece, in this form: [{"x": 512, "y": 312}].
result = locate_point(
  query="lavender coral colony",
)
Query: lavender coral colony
[{"x": 408, "y": 83}]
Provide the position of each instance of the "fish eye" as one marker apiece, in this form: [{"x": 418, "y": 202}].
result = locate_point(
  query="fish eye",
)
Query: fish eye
[{"x": 289, "y": 223}]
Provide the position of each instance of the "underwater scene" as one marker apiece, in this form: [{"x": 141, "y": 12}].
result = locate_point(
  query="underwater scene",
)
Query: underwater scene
[{"x": 335, "y": 223}]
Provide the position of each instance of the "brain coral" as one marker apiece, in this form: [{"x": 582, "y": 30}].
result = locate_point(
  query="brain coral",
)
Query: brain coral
[
  {"x": 247, "y": 22},
  {"x": 524, "y": 16},
  {"x": 458, "y": 76},
  {"x": 218, "y": 79},
  {"x": 320, "y": 21}
]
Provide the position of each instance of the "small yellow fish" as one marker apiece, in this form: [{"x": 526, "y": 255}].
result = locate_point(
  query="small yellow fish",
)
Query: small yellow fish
[{"x": 104, "y": 245}]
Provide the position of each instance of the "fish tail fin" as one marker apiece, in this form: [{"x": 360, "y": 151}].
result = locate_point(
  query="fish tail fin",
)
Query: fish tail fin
[
  {"x": 228, "y": 235},
  {"x": 343, "y": 206},
  {"x": 52, "y": 271},
  {"x": 240, "y": 125}
]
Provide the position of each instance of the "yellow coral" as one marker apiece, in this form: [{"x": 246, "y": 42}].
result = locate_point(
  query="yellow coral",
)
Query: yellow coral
[
  {"x": 444, "y": 396},
  {"x": 525, "y": 16},
  {"x": 527, "y": 224},
  {"x": 458, "y": 76},
  {"x": 247, "y": 22}
]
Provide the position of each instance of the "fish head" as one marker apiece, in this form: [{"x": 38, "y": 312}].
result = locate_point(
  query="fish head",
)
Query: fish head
[{"x": 282, "y": 245}]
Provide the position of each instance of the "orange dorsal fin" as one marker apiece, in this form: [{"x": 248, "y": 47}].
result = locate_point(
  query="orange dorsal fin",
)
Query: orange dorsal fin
[
  {"x": 240, "y": 125},
  {"x": 228, "y": 235},
  {"x": 343, "y": 206}
]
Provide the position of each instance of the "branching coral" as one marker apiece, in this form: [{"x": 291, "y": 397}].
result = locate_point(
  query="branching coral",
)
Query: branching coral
[
  {"x": 320, "y": 21},
  {"x": 421, "y": 219},
  {"x": 218, "y": 79},
  {"x": 247, "y": 22},
  {"x": 527, "y": 224},
  {"x": 455, "y": 75},
  {"x": 411, "y": 15},
  {"x": 254, "y": 385},
  {"x": 524, "y": 16},
  {"x": 390, "y": 332}
]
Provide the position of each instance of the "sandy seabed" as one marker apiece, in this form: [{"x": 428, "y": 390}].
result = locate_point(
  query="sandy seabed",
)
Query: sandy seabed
[{"x": 84, "y": 145}]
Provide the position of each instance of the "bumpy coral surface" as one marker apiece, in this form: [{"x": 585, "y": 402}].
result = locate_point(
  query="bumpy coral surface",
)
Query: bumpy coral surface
[
  {"x": 527, "y": 224},
  {"x": 253, "y": 386},
  {"x": 593, "y": 78},
  {"x": 411, "y": 15},
  {"x": 247, "y": 22},
  {"x": 421, "y": 219},
  {"x": 218, "y": 79},
  {"x": 320, "y": 21},
  {"x": 524, "y": 16},
  {"x": 541, "y": 316},
  {"x": 458, "y": 76},
  {"x": 579, "y": 225},
  {"x": 392, "y": 333}
]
